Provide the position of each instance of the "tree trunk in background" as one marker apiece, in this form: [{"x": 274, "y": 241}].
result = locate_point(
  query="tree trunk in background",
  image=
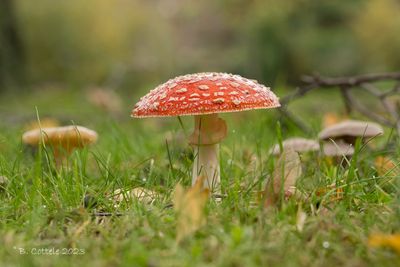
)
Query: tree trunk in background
[{"x": 11, "y": 49}]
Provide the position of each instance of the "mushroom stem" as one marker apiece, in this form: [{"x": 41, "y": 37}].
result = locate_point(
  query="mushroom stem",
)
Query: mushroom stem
[
  {"x": 61, "y": 153},
  {"x": 58, "y": 157},
  {"x": 209, "y": 131},
  {"x": 206, "y": 163}
]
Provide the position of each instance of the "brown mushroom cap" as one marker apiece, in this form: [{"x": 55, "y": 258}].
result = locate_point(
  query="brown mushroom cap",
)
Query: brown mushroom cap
[
  {"x": 205, "y": 93},
  {"x": 351, "y": 129},
  {"x": 68, "y": 136},
  {"x": 337, "y": 149},
  {"x": 298, "y": 144}
]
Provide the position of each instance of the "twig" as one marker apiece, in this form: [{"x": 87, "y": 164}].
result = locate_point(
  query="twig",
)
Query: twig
[
  {"x": 347, "y": 103},
  {"x": 364, "y": 110},
  {"x": 346, "y": 84},
  {"x": 350, "y": 81}
]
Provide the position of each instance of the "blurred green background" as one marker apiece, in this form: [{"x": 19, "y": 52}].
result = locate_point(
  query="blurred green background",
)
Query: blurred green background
[{"x": 133, "y": 44}]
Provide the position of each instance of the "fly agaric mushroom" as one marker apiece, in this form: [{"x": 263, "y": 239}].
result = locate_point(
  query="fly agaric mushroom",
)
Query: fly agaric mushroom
[
  {"x": 204, "y": 95},
  {"x": 350, "y": 130},
  {"x": 297, "y": 144},
  {"x": 62, "y": 139}
]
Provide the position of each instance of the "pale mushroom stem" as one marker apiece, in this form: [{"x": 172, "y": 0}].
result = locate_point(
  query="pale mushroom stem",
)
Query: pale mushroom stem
[
  {"x": 58, "y": 157},
  {"x": 206, "y": 163},
  {"x": 61, "y": 153},
  {"x": 208, "y": 132}
]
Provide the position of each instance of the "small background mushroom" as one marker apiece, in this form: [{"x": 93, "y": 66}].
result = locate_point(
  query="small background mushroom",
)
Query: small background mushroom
[
  {"x": 62, "y": 140},
  {"x": 297, "y": 144},
  {"x": 350, "y": 130},
  {"x": 338, "y": 140}
]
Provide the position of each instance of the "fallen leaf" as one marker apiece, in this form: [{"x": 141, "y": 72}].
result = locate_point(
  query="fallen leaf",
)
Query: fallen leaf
[
  {"x": 386, "y": 166},
  {"x": 284, "y": 177},
  {"x": 382, "y": 240},
  {"x": 189, "y": 206},
  {"x": 141, "y": 194}
]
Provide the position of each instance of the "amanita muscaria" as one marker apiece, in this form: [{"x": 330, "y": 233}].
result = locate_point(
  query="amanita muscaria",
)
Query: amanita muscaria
[{"x": 204, "y": 95}]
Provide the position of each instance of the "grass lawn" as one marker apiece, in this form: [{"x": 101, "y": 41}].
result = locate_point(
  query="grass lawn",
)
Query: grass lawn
[{"x": 42, "y": 207}]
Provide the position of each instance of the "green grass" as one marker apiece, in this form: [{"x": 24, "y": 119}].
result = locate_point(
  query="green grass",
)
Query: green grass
[{"x": 43, "y": 207}]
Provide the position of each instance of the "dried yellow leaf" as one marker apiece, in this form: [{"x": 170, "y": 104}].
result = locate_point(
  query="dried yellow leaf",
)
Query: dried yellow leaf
[
  {"x": 189, "y": 206},
  {"x": 385, "y": 166},
  {"x": 381, "y": 240}
]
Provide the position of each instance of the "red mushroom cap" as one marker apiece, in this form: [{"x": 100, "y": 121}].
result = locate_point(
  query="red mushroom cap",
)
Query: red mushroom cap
[{"x": 205, "y": 93}]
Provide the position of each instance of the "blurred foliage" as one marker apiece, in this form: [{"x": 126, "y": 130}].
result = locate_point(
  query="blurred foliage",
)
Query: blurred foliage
[
  {"x": 76, "y": 39},
  {"x": 128, "y": 43},
  {"x": 291, "y": 38},
  {"x": 377, "y": 29},
  {"x": 11, "y": 51}
]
